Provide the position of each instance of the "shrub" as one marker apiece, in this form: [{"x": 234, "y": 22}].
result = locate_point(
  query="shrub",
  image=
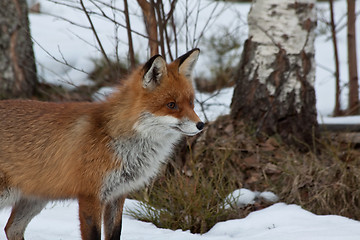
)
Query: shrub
[
  {"x": 228, "y": 156},
  {"x": 105, "y": 73},
  {"x": 223, "y": 51},
  {"x": 189, "y": 200},
  {"x": 325, "y": 183}
]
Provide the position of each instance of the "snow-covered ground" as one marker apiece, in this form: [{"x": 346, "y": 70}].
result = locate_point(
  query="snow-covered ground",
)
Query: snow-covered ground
[
  {"x": 277, "y": 222},
  {"x": 64, "y": 40}
]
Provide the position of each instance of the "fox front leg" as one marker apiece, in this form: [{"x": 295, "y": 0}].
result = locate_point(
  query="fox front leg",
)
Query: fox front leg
[
  {"x": 113, "y": 219},
  {"x": 90, "y": 218}
]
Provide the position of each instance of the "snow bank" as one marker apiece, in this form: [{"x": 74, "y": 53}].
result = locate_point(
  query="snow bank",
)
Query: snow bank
[
  {"x": 278, "y": 222},
  {"x": 284, "y": 222}
]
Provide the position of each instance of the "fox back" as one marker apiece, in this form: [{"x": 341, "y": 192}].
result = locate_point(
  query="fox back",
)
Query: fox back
[{"x": 95, "y": 152}]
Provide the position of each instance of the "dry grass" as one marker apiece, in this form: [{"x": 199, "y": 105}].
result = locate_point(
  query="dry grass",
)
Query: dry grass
[
  {"x": 325, "y": 183},
  {"x": 108, "y": 74},
  {"x": 228, "y": 156},
  {"x": 188, "y": 200}
]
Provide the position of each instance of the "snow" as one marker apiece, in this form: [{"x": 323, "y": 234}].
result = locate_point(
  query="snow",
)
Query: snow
[
  {"x": 277, "y": 222},
  {"x": 101, "y": 94},
  {"x": 243, "y": 197},
  {"x": 339, "y": 120},
  {"x": 240, "y": 198},
  {"x": 77, "y": 46},
  {"x": 269, "y": 196},
  {"x": 209, "y": 106},
  {"x": 283, "y": 222}
]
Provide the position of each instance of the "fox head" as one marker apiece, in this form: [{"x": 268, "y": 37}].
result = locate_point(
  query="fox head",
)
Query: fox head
[{"x": 165, "y": 98}]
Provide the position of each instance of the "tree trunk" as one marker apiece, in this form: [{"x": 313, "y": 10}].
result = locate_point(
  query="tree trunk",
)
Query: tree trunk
[
  {"x": 353, "y": 107},
  {"x": 337, "y": 109},
  {"x": 275, "y": 82},
  {"x": 151, "y": 25},
  {"x": 130, "y": 41},
  {"x": 160, "y": 23},
  {"x": 18, "y": 77}
]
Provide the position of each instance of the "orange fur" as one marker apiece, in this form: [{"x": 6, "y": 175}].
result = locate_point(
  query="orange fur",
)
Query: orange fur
[{"x": 51, "y": 151}]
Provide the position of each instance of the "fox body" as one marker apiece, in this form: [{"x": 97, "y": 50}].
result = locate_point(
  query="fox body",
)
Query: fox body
[{"x": 94, "y": 152}]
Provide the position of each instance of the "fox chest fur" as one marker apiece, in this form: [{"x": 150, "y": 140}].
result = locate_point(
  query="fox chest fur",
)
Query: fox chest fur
[{"x": 141, "y": 158}]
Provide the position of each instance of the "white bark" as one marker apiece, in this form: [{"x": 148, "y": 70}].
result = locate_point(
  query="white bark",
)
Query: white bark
[
  {"x": 275, "y": 83},
  {"x": 275, "y": 24}
]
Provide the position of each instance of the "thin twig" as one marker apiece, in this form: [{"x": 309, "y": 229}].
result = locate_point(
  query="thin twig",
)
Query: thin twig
[
  {"x": 56, "y": 59},
  {"x": 166, "y": 31},
  {"x": 110, "y": 6},
  {"x": 186, "y": 25},
  {"x": 84, "y": 40},
  {"x": 94, "y": 31},
  {"x": 171, "y": 11},
  {"x": 173, "y": 27},
  {"x": 196, "y": 22},
  {"x": 325, "y": 68},
  {"x": 67, "y": 20},
  {"x": 130, "y": 41},
  {"x": 211, "y": 17},
  {"x": 102, "y": 14},
  {"x": 116, "y": 33}
]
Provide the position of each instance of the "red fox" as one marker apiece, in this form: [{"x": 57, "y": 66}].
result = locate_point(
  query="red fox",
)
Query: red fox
[{"x": 94, "y": 152}]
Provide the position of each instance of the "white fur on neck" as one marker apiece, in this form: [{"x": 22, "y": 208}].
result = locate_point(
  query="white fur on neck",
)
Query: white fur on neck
[{"x": 141, "y": 155}]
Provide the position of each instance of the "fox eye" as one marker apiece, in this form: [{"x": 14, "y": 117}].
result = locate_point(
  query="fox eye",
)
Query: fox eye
[{"x": 172, "y": 105}]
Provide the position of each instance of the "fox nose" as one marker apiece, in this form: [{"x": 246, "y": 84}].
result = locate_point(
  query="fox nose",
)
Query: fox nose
[{"x": 200, "y": 125}]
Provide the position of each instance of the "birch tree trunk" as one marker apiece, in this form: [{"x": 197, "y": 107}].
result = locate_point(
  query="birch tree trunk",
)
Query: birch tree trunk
[
  {"x": 275, "y": 82},
  {"x": 17, "y": 64}
]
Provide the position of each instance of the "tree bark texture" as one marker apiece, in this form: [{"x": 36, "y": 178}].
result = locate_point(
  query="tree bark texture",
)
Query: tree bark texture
[
  {"x": 353, "y": 107},
  {"x": 275, "y": 81},
  {"x": 18, "y": 77},
  {"x": 337, "y": 109},
  {"x": 130, "y": 41},
  {"x": 151, "y": 25}
]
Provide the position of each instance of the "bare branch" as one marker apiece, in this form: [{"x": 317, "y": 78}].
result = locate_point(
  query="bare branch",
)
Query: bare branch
[
  {"x": 171, "y": 11},
  {"x": 109, "y": 6},
  {"x": 336, "y": 56},
  {"x": 67, "y": 20},
  {"x": 166, "y": 30},
  {"x": 150, "y": 22},
  {"x": 56, "y": 59},
  {"x": 94, "y": 31},
  {"x": 130, "y": 41},
  {"x": 102, "y": 14},
  {"x": 212, "y": 17},
  {"x": 173, "y": 27},
  {"x": 196, "y": 22},
  {"x": 160, "y": 23}
]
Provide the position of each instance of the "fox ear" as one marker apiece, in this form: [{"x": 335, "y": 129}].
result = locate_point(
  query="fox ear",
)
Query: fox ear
[
  {"x": 187, "y": 62},
  {"x": 154, "y": 70}
]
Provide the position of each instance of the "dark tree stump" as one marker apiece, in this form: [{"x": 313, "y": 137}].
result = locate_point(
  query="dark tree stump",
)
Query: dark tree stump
[{"x": 18, "y": 77}]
